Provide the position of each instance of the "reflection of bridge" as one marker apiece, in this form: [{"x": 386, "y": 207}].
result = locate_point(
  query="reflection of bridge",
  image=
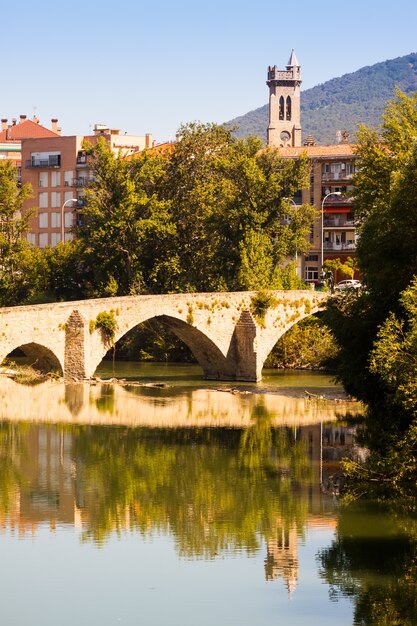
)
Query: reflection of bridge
[{"x": 228, "y": 333}]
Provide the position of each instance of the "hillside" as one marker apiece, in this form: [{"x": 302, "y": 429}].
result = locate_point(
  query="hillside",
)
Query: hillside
[{"x": 342, "y": 103}]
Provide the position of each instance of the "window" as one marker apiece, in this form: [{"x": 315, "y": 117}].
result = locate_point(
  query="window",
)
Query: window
[
  {"x": 43, "y": 240},
  {"x": 31, "y": 237},
  {"x": 312, "y": 257},
  {"x": 68, "y": 195},
  {"x": 69, "y": 219},
  {"x": 311, "y": 273},
  {"x": 68, "y": 176},
  {"x": 55, "y": 199},
  {"x": 55, "y": 238},
  {"x": 43, "y": 200},
  {"x": 55, "y": 179},
  {"x": 43, "y": 220},
  {"x": 43, "y": 179},
  {"x": 55, "y": 220}
]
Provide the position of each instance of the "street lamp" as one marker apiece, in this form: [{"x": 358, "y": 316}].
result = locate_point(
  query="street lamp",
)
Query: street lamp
[
  {"x": 332, "y": 193},
  {"x": 62, "y": 217},
  {"x": 293, "y": 203}
]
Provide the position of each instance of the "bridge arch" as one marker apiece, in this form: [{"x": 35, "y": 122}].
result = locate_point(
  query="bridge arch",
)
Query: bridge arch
[
  {"x": 214, "y": 364},
  {"x": 41, "y": 357},
  {"x": 270, "y": 342}
]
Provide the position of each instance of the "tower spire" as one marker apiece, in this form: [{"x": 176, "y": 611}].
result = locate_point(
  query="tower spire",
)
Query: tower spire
[{"x": 293, "y": 61}]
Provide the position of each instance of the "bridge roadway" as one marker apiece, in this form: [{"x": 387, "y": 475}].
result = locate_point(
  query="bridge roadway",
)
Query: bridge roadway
[{"x": 227, "y": 337}]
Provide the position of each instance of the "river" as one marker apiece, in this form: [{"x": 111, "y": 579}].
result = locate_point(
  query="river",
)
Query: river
[{"x": 165, "y": 500}]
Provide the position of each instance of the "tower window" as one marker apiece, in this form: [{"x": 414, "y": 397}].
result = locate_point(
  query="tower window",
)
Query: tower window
[
  {"x": 281, "y": 108},
  {"x": 288, "y": 108}
]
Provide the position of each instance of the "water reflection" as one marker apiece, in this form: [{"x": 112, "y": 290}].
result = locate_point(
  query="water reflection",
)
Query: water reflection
[
  {"x": 155, "y": 406},
  {"x": 373, "y": 560},
  {"x": 222, "y": 474},
  {"x": 216, "y": 491}
]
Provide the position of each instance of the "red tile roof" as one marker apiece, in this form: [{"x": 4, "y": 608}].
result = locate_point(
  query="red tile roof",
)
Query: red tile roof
[
  {"x": 27, "y": 129},
  {"x": 336, "y": 150}
]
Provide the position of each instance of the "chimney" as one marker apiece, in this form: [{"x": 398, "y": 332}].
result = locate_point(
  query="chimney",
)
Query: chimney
[
  {"x": 54, "y": 125},
  {"x": 4, "y": 123},
  {"x": 14, "y": 121},
  {"x": 147, "y": 140},
  {"x": 22, "y": 118}
]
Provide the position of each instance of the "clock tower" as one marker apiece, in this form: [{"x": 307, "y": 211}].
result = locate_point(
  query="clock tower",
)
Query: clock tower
[{"x": 284, "y": 127}]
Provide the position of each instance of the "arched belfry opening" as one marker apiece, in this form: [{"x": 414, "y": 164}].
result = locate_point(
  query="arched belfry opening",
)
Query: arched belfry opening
[
  {"x": 288, "y": 108},
  {"x": 281, "y": 108}
]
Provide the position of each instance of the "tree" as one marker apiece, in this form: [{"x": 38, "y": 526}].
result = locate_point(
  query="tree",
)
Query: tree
[
  {"x": 385, "y": 192},
  {"x": 125, "y": 221},
  {"x": 18, "y": 260},
  {"x": 230, "y": 205},
  {"x": 211, "y": 214}
]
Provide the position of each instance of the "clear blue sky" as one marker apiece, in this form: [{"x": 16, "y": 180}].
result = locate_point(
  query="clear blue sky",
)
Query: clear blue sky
[{"x": 147, "y": 66}]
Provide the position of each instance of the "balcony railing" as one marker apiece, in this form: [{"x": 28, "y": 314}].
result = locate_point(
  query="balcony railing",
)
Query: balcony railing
[
  {"x": 52, "y": 161},
  {"x": 337, "y": 222},
  {"x": 337, "y": 200},
  {"x": 343, "y": 175},
  {"x": 81, "y": 181},
  {"x": 334, "y": 245}
]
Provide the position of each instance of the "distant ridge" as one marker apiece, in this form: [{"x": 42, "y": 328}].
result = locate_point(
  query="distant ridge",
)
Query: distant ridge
[{"x": 342, "y": 103}]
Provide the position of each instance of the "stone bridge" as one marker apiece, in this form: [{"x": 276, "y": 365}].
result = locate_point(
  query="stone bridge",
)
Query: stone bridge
[{"x": 230, "y": 334}]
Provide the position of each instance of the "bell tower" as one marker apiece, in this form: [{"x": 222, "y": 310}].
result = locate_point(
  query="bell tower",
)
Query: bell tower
[{"x": 284, "y": 127}]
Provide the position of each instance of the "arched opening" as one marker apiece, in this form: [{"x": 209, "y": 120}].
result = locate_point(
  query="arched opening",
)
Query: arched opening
[
  {"x": 281, "y": 108},
  {"x": 288, "y": 108},
  {"x": 308, "y": 345},
  {"x": 166, "y": 339},
  {"x": 37, "y": 356}
]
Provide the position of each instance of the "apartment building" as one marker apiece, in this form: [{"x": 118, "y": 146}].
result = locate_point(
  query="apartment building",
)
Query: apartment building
[
  {"x": 333, "y": 234},
  {"x": 11, "y": 136},
  {"x": 58, "y": 170},
  {"x": 332, "y": 167}
]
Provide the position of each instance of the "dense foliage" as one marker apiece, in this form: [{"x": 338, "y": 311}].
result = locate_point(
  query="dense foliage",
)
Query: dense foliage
[
  {"x": 376, "y": 330},
  {"x": 207, "y": 215},
  {"x": 341, "y": 103},
  {"x": 212, "y": 213}
]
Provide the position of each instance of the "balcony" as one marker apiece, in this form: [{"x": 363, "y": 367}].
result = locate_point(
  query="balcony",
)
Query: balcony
[
  {"x": 52, "y": 161},
  {"x": 343, "y": 175},
  {"x": 338, "y": 222},
  {"x": 338, "y": 246},
  {"x": 82, "y": 161},
  {"x": 81, "y": 181}
]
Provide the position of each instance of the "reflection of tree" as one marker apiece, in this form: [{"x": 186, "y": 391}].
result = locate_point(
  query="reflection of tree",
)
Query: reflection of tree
[
  {"x": 10, "y": 479},
  {"x": 373, "y": 560},
  {"x": 214, "y": 489}
]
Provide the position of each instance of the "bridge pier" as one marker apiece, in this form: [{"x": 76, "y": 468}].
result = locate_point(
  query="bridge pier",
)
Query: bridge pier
[{"x": 77, "y": 344}]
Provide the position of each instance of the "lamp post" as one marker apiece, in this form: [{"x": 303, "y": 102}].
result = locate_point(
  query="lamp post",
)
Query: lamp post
[
  {"x": 291, "y": 201},
  {"x": 332, "y": 193},
  {"x": 63, "y": 215}
]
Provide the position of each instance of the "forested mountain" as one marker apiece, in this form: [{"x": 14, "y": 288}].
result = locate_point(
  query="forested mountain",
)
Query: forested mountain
[{"x": 342, "y": 103}]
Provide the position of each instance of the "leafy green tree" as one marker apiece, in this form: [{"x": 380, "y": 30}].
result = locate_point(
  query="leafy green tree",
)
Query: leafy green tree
[
  {"x": 308, "y": 344},
  {"x": 211, "y": 214},
  {"x": 394, "y": 356},
  {"x": 229, "y": 201},
  {"x": 385, "y": 191},
  {"x": 125, "y": 221},
  {"x": 19, "y": 261},
  {"x": 342, "y": 269}
]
